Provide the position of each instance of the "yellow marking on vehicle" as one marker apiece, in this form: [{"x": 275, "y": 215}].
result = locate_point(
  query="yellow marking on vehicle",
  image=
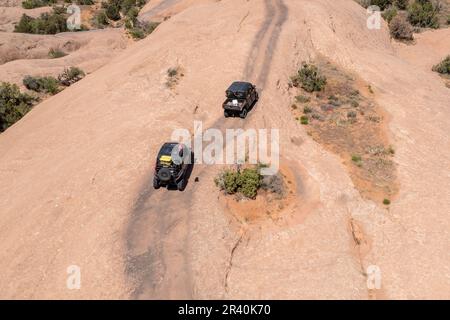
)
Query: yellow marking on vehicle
[{"x": 165, "y": 159}]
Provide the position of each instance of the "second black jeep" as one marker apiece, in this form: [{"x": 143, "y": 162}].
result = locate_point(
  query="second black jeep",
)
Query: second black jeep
[{"x": 241, "y": 96}]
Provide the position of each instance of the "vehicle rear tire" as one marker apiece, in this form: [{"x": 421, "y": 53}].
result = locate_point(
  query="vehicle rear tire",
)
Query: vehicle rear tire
[
  {"x": 243, "y": 114},
  {"x": 156, "y": 184},
  {"x": 256, "y": 97},
  {"x": 226, "y": 114},
  {"x": 164, "y": 175}
]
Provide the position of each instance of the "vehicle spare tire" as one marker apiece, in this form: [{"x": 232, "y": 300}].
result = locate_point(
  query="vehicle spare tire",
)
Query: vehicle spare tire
[{"x": 164, "y": 174}]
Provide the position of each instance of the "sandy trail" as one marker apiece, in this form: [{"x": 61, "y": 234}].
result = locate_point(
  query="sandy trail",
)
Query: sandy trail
[
  {"x": 167, "y": 214},
  {"x": 78, "y": 168}
]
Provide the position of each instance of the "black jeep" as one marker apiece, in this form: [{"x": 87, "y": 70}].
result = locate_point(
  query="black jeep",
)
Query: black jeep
[
  {"x": 173, "y": 166},
  {"x": 241, "y": 97}
]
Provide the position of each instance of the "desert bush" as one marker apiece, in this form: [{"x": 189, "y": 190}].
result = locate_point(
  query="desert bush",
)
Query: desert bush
[
  {"x": 173, "y": 76},
  {"x": 303, "y": 99},
  {"x": 56, "y": 53},
  {"x": 249, "y": 181},
  {"x": 140, "y": 30},
  {"x": 246, "y": 182},
  {"x": 113, "y": 11},
  {"x": 274, "y": 184},
  {"x": 309, "y": 78},
  {"x": 423, "y": 13},
  {"x": 401, "y": 4},
  {"x": 84, "y": 2},
  {"x": 443, "y": 67},
  {"x": 13, "y": 104},
  {"x": 31, "y": 4},
  {"x": 357, "y": 159},
  {"x": 382, "y": 4},
  {"x": 227, "y": 181},
  {"x": 70, "y": 76},
  {"x": 101, "y": 19},
  {"x": 351, "y": 114},
  {"x": 41, "y": 84},
  {"x": 400, "y": 29},
  {"x": 47, "y": 23},
  {"x": 307, "y": 110},
  {"x": 390, "y": 13},
  {"x": 304, "y": 120}
]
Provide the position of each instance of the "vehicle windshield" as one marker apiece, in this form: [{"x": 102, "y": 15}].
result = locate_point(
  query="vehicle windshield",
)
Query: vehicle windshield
[{"x": 166, "y": 150}]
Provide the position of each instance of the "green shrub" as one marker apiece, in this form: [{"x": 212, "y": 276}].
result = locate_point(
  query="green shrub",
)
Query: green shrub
[
  {"x": 113, "y": 12},
  {"x": 400, "y": 29},
  {"x": 84, "y": 2},
  {"x": 31, "y": 4},
  {"x": 246, "y": 182},
  {"x": 249, "y": 181},
  {"x": 357, "y": 159},
  {"x": 41, "y": 84},
  {"x": 389, "y": 14},
  {"x": 70, "y": 76},
  {"x": 47, "y": 23},
  {"x": 386, "y": 202},
  {"x": 140, "y": 30},
  {"x": 307, "y": 110},
  {"x": 304, "y": 120},
  {"x": 401, "y": 4},
  {"x": 309, "y": 78},
  {"x": 56, "y": 53},
  {"x": 422, "y": 13},
  {"x": 303, "y": 99},
  {"x": 351, "y": 114},
  {"x": 382, "y": 4},
  {"x": 13, "y": 104},
  {"x": 443, "y": 67},
  {"x": 101, "y": 19}
]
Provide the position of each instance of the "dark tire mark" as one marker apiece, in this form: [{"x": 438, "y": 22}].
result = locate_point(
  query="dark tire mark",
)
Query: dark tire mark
[
  {"x": 272, "y": 44},
  {"x": 260, "y": 49},
  {"x": 256, "y": 45}
]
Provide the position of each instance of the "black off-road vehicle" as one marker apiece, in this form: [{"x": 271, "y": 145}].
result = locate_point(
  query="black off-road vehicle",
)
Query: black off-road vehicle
[
  {"x": 173, "y": 166},
  {"x": 241, "y": 97}
]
